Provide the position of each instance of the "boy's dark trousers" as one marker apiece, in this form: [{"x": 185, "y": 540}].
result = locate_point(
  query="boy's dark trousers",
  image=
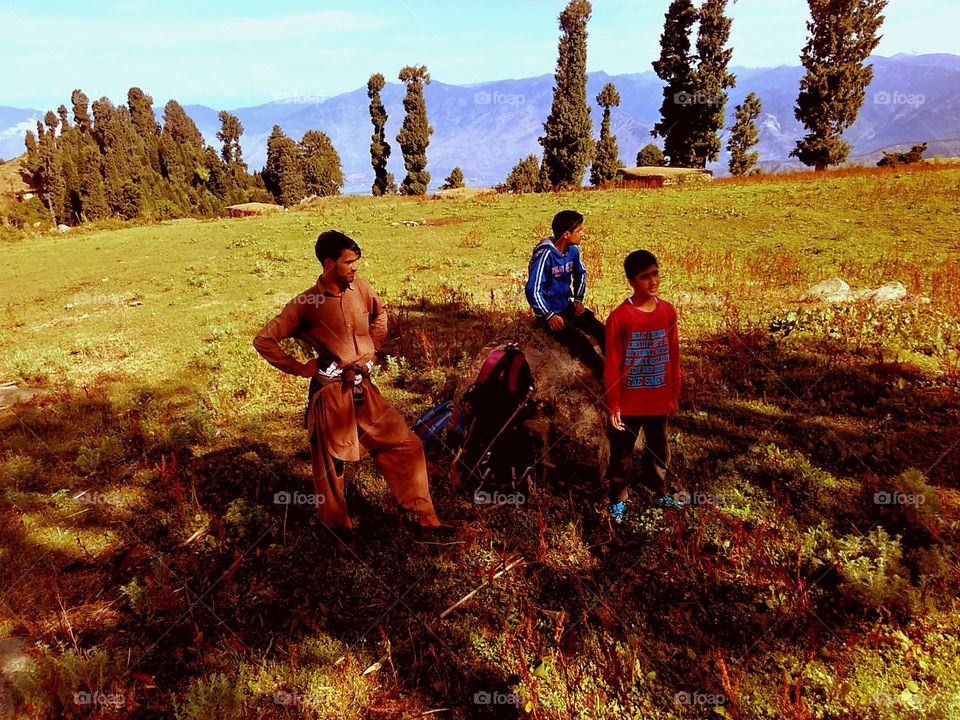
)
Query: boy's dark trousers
[
  {"x": 653, "y": 460},
  {"x": 574, "y": 336}
]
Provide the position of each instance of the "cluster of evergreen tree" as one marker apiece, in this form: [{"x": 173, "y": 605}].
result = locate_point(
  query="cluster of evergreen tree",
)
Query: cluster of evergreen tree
[
  {"x": 695, "y": 84},
  {"x": 295, "y": 171},
  {"x": 892, "y": 159},
  {"x": 117, "y": 161},
  {"x": 120, "y": 162},
  {"x": 842, "y": 34},
  {"x": 525, "y": 177},
  {"x": 691, "y": 116},
  {"x": 413, "y": 138}
]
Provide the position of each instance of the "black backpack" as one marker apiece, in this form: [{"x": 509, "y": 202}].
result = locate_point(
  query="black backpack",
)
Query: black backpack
[{"x": 499, "y": 456}]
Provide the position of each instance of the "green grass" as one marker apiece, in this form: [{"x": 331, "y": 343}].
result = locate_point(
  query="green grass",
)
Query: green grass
[{"x": 176, "y": 582}]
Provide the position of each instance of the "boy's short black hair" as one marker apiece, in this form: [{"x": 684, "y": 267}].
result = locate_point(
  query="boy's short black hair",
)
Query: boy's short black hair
[
  {"x": 564, "y": 221},
  {"x": 638, "y": 261},
  {"x": 332, "y": 243}
]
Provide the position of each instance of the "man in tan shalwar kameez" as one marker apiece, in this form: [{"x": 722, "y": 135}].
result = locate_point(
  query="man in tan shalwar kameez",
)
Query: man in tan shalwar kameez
[{"x": 343, "y": 319}]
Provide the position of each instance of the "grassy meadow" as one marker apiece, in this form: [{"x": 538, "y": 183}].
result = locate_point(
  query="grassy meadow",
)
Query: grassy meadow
[{"x": 142, "y": 555}]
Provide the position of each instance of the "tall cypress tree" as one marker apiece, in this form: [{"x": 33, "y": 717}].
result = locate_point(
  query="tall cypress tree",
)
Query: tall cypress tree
[
  {"x": 674, "y": 68},
  {"x": 89, "y": 161},
  {"x": 607, "y": 160},
  {"x": 567, "y": 140},
  {"x": 322, "y": 173},
  {"x": 49, "y": 171},
  {"x": 116, "y": 137},
  {"x": 33, "y": 153},
  {"x": 51, "y": 120},
  {"x": 180, "y": 126},
  {"x": 63, "y": 115},
  {"x": 414, "y": 136},
  {"x": 237, "y": 180},
  {"x": 81, "y": 110},
  {"x": 744, "y": 135},
  {"x": 711, "y": 80},
  {"x": 379, "y": 148},
  {"x": 92, "y": 197},
  {"x": 843, "y": 33},
  {"x": 141, "y": 113},
  {"x": 229, "y": 134},
  {"x": 283, "y": 172}
]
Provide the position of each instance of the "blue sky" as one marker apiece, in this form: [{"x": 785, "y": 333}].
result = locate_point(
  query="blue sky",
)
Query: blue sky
[{"x": 240, "y": 53}]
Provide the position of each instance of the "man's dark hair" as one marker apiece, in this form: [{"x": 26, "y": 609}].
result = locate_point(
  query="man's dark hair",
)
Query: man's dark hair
[
  {"x": 638, "y": 261},
  {"x": 332, "y": 243},
  {"x": 564, "y": 221}
]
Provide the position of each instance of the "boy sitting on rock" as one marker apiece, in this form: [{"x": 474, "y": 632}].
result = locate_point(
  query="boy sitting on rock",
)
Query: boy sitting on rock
[{"x": 556, "y": 286}]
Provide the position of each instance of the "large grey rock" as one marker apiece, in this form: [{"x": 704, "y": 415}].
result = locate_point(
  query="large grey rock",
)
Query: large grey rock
[
  {"x": 11, "y": 394},
  {"x": 886, "y": 293},
  {"x": 571, "y": 419},
  {"x": 833, "y": 290}
]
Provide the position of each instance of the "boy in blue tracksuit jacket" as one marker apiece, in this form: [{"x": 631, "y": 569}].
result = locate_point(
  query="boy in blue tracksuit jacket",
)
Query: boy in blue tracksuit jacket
[{"x": 556, "y": 285}]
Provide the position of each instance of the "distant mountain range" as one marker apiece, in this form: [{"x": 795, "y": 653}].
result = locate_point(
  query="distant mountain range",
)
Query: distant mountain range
[{"x": 486, "y": 128}]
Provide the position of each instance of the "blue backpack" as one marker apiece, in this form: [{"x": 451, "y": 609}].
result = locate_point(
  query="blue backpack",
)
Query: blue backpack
[{"x": 432, "y": 424}]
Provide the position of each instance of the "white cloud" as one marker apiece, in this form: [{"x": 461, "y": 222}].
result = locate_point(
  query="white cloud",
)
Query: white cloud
[{"x": 20, "y": 129}]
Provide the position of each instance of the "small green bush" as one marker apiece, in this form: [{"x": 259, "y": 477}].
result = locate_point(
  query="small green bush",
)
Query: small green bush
[
  {"x": 216, "y": 697},
  {"x": 22, "y": 471}
]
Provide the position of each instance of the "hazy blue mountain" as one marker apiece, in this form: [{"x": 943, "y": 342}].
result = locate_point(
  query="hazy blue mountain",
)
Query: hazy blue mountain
[{"x": 487, "y": 127}]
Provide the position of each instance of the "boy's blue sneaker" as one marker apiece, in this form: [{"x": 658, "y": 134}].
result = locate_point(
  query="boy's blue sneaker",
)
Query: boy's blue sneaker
[{"x": 616, "y": 511}]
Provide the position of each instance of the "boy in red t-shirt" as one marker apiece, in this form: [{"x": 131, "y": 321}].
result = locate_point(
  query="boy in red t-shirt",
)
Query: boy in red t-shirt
[{"x": 642, "y": 382}]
